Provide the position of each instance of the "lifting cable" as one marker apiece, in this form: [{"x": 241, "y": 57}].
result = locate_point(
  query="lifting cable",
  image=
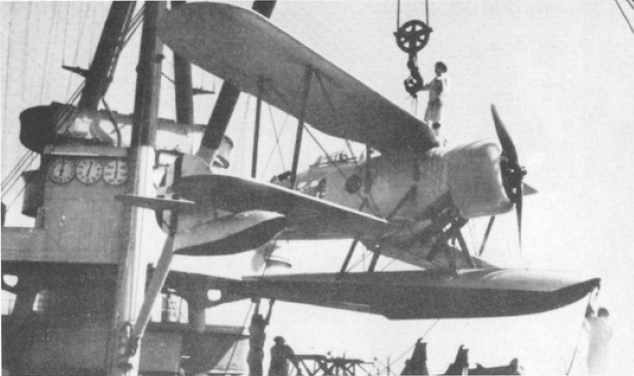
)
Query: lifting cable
[{"x": 398, "y": 13}]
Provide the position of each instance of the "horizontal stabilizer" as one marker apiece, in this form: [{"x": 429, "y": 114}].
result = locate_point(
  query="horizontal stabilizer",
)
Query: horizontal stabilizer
[
  {"x": 156, "y": 203},
  {"x": 407, "y": 295}
]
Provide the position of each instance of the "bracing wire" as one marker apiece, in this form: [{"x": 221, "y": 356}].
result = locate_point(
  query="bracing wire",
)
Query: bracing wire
[
  {"x": 339, "y": 170},
  {"x": 277, "y": 141}
]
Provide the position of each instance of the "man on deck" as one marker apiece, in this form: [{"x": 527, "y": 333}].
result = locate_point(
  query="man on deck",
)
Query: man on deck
[
  {"x": 256, "y": 339},
  {"x": 281, "y": 353},
  {"x": 600, "y": 334}
]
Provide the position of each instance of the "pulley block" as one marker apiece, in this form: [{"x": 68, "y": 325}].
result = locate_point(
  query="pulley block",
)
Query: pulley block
[{"x": 412, "y": 36}]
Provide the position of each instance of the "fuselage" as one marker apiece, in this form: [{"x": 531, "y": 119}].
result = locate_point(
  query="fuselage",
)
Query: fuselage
[
  {"x": 408, "y": 189},
  {"x": 469, "y": 173}
]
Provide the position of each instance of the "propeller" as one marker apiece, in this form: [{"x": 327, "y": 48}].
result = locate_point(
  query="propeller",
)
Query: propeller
[{"x": 512, "y": 172}]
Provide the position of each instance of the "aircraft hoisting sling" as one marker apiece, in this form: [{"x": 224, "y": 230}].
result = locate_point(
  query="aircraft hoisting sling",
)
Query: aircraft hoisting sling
[{"x": 412, "y": 37}]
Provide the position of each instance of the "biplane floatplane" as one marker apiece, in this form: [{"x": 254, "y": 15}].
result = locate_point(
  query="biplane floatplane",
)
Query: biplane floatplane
[{"x": 407, "y": 203}]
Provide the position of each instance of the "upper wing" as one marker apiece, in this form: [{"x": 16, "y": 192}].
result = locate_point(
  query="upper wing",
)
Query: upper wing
[
  {"x": 312, "y": 217},
  {"x": 247, "y": 50}
]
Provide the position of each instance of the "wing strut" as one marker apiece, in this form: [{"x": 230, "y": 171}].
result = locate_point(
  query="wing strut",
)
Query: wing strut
[
  {"x": 300, "y": 123},
  {"x": 256, "y": 131}
]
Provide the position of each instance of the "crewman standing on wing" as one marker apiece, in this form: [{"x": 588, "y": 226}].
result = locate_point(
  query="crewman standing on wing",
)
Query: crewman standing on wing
[{"x": 438, "y": 88}]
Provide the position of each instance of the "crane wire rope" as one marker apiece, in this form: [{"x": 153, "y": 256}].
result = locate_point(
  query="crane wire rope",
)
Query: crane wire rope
[{"x": 398, "y": 13}]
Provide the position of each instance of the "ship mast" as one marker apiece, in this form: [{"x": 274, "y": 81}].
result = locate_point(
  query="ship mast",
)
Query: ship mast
[
  {"x": 124, "y": 355},
  {"x": 101, "y": 71}
]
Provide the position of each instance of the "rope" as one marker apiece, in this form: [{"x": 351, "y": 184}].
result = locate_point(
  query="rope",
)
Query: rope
[{"x": 574, "y": 354}]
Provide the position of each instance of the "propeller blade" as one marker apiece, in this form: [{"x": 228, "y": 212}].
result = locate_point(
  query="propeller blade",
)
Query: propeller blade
[
  {"x": 508, "y": 147},
  {"x": 486, "y": 235},
  {"x": 512, "y": 172},
  {"x": 528, "y": 190},
  {"x": 518, "y": 210}
]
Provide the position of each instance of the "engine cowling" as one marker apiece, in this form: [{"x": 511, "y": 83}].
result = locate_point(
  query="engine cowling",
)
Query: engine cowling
[{"x": 475, "y": 180}]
